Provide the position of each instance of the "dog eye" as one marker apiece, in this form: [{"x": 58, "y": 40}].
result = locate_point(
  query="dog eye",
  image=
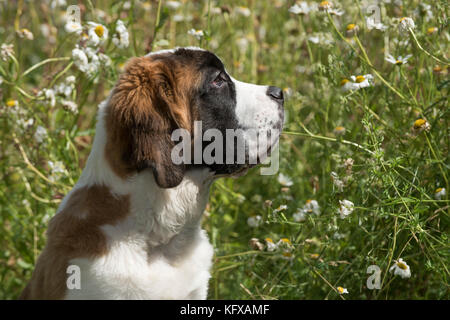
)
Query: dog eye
[{"x": 219, "y": 81}]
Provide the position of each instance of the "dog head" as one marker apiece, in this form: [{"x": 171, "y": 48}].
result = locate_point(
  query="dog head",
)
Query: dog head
[{"x": 187, "y": 89}]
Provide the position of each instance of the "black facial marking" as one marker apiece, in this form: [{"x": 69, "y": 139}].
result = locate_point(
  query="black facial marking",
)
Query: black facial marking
[{"x": 214, "y": 105}]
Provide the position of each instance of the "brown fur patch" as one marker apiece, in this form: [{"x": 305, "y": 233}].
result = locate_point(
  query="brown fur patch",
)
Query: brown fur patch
[
  {"x": 150, "y": 100},
  {"x": 74, "y": 233}
]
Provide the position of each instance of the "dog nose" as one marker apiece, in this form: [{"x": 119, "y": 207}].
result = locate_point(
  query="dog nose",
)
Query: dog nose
[{"x": 275, "y": 93}]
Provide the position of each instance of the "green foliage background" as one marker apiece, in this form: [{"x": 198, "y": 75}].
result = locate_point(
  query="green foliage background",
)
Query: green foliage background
[{"x": 392, "y": 182}]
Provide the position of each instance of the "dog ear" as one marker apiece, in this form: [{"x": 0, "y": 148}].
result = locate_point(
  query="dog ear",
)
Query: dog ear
[{"x": 147, "y": 108}]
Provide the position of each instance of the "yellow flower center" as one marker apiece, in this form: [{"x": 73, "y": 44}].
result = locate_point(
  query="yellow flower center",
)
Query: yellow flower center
[
  {"x": 360, "y": 79},
  {"x": 11, "y": 102},
  {"x": 287, "y": 254},
  {"x": 403, "y": 19},
  {"x": 315, "y": 255},
  {"x": 419, "y": 123},
  {"x": 398, "y": 62},
  {"x": 438, "y": 190},
  {"x": 340, "y": 289},
  {"x": 286, "y": 240},
  {"x": 344, "y": 81},
  {"x": 308, "y": 201},
  {"x": 99, "y": 30},
  {"x": 339, "y": 129},
  {"x": 325, "y": 4},
  {"x": 437, "y": 69},
  {"x": 351, "y": 26},
  {"x": 269, "y": 240},
  {"x": 402, "y": 266},
  {"x": 431, "y": 30}
]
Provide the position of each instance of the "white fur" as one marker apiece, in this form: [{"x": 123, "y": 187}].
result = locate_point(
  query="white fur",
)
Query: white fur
[
  {"x": 159, "y": 251},
  {"x": 259, "y": 117}
]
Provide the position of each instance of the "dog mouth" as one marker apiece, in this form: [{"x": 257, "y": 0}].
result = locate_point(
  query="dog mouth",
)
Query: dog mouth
[{"x": 239, "y": 170}]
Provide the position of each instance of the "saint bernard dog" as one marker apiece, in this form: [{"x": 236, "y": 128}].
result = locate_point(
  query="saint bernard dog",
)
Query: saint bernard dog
[{"x": 130, "y": 227}]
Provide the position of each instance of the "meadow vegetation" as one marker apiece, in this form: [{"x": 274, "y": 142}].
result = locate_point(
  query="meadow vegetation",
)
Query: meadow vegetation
[{"x": 363, "y": 174}]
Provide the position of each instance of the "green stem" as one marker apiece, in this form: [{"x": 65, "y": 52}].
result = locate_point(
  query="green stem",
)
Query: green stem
[
  {"x": 37, "y": 65},
  {"x": 314, "y": 136},
  {"x": 425, "y": 51}
]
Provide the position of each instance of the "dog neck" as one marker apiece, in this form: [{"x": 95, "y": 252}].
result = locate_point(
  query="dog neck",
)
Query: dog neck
[{"x": 155, "y": 213}]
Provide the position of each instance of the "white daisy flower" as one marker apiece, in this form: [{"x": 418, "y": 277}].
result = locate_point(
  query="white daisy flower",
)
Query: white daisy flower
[
  {"x": 49, "y": 95},
  {"x": 401, "y": 269},
  {"x": 70, "y": 106},
  {"x": 104, "y": 59},
  {"x": 58, "y": 3},
  {"x": 242, "y": 44},
  {"x": 25, "y": 33},
  {"x": 64, "y": 89},
  {"x": 243, "y": 11},
  {"x": 73, "y": 27},
  {"x": 421, "y": 125},
  {"x": 97, "y": 33},
  {"x": 312, "y": 206},
  {"x": 80, "y": 59},
  {"x": 271, "y": 246},
  {"x": 338, "y": 235},
  {"x": 351, "y": 29},
  {"x": 254, "y": 221},
  {"x": 286, "y": 255},
  {"x": 336, "y": 12},
  {"x": 57, "y": 169},
  {"x": 342, "y": 290},
  {"x": 255, "y": 244},
  {"x": 357, "y": 82},
  {"x": 11, "y": 103},
  {"x": 405, "y": 24},
  {"x": 346, "y": 208},
  {"x": 303, "y": 7},
  {"x": 339, "y": 184},
  {"x": 314, "y": 39},
  {"x": 40, "y": 134},
  {"x": 371, "y": 24},
  {"x": 121, "y": 37},
  {"x": 6, "y": 50},
  {"x": 70, "y": 80},
  {"x": 440, "y": 193},
  {"x": 321, "y": 38},
  {"x": 399, "y": 61},
  {"x": 285, "y": 244},
  {"x": 198, "y": 34},
  {"x": 280, "y": 208},
  {"x": 25, "y": 124},
  {"x": 300, "y": 215},
  {"x": 285, "y": 180},
  {"x": 362, "y": 81},
  {"x": 339, "y": 131},
  {"x": 325, "y": 5},
  {"x": 174, "y": 5},
  {"x": 432, "y": 30}
]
